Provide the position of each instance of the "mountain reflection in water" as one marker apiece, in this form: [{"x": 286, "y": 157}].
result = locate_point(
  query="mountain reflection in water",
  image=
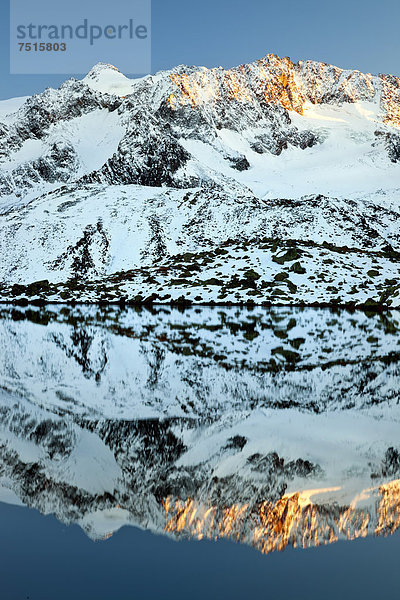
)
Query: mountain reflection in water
[
  {"x": 294, "y": 520},
  {"x": 270, "y": 427}
]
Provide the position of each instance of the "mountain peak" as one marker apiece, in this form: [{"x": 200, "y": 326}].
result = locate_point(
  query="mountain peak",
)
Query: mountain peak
[
  {"x": 102, "y": 66},
  {"x": 106, "y": 78}
]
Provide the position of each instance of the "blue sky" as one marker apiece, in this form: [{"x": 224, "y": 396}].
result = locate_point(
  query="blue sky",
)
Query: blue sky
[{"x": 348, "y": 33}]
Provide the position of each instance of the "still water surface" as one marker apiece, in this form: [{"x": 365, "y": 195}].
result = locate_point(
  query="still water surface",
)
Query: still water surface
[{"x": 219, "y": 452}]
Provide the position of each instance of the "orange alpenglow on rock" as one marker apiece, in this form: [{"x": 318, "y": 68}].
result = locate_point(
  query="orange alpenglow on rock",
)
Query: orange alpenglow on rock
[
  {"x": 276, "y": 80},
  {"x": 391, "y": 99},
  {"x": 294, "y": 520},
  {"x": 270, "y": 79}
]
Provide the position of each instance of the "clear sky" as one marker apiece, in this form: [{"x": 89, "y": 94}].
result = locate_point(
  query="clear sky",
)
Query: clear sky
[{"x": 362, "y": 34}]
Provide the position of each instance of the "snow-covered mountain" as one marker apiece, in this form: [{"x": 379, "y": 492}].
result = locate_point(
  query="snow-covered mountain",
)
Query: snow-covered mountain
[
  {"x": 271, "y": 182},
  {"x": 271, "y": 427}
]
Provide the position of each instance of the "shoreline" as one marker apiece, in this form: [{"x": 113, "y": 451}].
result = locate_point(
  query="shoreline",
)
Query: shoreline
[{"x": 350, "y": 307}]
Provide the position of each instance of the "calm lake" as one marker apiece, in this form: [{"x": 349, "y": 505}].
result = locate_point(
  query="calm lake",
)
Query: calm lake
[{"x": 201, "y": 452}]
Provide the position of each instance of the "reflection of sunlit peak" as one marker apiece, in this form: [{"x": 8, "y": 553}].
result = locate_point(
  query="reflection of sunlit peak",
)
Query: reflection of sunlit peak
[
  {"x": 389, "y": 508},
  {"x": 294, "y": 520}
]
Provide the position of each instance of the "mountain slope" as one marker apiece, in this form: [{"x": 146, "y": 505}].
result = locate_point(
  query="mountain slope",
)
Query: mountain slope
[{"x": 107, "y": 184}]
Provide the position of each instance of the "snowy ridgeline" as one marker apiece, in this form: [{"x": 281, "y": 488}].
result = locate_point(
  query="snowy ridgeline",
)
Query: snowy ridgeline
[
  {"x": 271, "y": 427},
  {"x": 270, "y": 183}
]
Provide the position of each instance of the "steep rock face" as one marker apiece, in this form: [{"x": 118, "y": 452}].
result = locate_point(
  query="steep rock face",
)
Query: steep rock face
[
  {"x": 391, "y": 99},
  {"x": 55, "y": 165},
  {"x": 270, "y": 81},
  {"x": 147, "y": 155},
  {"x": 391, "y": 142},
  {"x": 322, "y": 83},
  {"x": 274, "y": 80}
]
